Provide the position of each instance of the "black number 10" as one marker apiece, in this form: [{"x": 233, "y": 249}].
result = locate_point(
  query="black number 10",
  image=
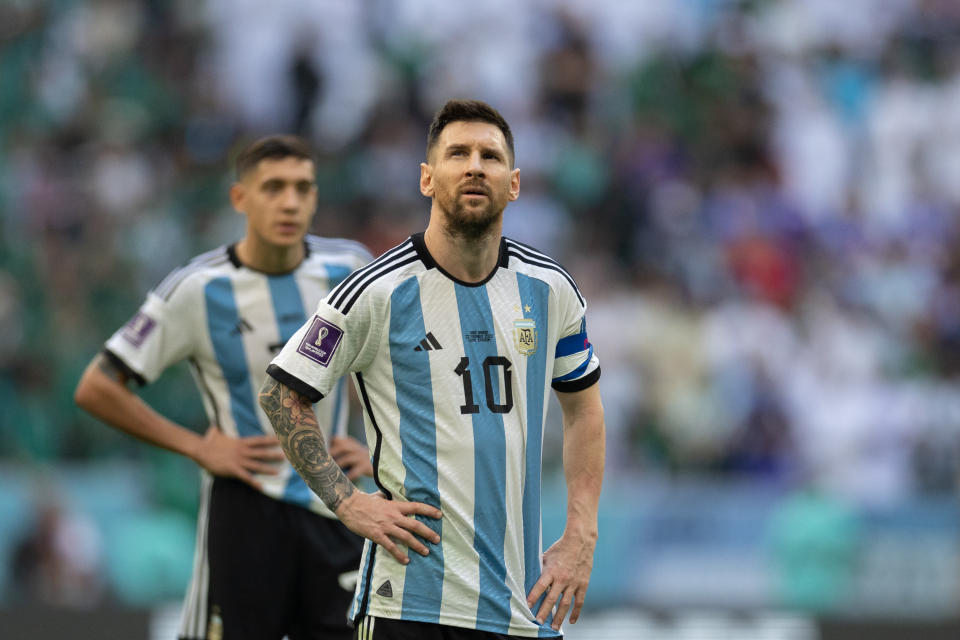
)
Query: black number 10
[{"x": 463, "y": 370}]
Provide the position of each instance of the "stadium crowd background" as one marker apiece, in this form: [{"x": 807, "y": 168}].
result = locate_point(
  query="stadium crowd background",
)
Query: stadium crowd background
[{"x": 760, "y": 200}]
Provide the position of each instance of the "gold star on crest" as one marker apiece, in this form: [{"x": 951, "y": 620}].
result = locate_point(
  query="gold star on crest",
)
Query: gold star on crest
[{"x": 527, "y": 308}]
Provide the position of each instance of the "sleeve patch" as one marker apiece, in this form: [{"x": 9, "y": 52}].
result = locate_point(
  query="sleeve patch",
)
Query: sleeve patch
[
  {"x": 320, "y": 341},
  {"x": 139, "y": 327}
]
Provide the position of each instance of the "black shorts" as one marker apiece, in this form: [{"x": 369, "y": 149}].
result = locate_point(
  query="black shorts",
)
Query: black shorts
[
  {"x": 372, "y": 628},
  {"x": 276, "y": 569}
]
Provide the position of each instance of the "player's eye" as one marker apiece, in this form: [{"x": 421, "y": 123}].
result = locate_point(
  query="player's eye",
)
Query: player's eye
[{"x": 303, "y": 187}]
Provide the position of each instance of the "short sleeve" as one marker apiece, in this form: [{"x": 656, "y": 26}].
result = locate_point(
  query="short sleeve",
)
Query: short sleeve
[
  {"x": 327, "y": 347},
  {"x": 158, "y": 335},
  {"x": 575, "y": 365}
]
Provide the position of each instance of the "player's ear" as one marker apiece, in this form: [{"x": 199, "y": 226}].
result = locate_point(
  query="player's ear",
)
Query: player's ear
[
  {"x": 237, "y": 194},
  {"x": 514, "y": 184},
  {"x": 426, "y": 180}
]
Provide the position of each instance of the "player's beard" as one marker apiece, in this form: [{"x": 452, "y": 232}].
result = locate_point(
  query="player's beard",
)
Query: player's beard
[{"x": 472, "y": 225}]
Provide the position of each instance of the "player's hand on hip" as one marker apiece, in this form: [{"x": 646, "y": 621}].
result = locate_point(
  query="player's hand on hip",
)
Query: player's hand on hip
[
  {"x": 389, "y": 522},
  {"x": 566, "y": 574},
  {"x": 352, "y": 456},
  {"x": 239, "y": 458}
]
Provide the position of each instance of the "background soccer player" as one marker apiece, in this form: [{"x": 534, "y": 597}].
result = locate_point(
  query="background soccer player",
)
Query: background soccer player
[
  {"x": 271, "y": 559},
  {"x": 455, "y": 338}
]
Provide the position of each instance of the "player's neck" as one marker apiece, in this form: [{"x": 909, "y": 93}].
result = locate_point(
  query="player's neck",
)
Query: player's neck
[
  {"x": 269, "y": 258},
  {"x": 466, "y": 259}
]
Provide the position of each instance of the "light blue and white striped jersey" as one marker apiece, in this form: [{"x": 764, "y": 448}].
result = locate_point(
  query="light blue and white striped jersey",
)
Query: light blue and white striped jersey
[
  {"x": 229, "y": 321},
  {"x": 454, "y": 378}
]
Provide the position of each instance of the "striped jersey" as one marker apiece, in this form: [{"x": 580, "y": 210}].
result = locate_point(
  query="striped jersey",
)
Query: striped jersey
[
  {"x": 454, "y": 378},
  {"x": 229, "y": 321}
]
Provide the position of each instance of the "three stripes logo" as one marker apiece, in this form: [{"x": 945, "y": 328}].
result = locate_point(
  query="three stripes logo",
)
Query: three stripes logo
[{"x": 428, "y": 344}]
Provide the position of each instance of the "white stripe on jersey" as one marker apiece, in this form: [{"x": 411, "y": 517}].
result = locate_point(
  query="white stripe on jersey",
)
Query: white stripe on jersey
[{"x": 455, "y": 490}]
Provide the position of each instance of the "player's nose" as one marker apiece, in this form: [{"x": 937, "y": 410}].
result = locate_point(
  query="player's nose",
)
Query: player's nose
[
  {"x": 475, "y": 166},
  {"x": 290, "y": 199}
]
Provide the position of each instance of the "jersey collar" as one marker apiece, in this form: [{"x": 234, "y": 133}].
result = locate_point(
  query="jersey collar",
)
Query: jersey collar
[
  {"x": 235, "y": 259},
  {"x": 428, "y": 261}
]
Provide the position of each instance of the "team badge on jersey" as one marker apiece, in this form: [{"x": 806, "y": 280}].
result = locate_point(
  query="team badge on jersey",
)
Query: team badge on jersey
[
  {"x": 525, "y": 334},
  {"x": 139, "y": 327},
  {"x": 320, "y": 341}
]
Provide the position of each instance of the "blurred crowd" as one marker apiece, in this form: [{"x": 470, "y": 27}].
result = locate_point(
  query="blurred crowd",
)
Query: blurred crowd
[{"x": 759, "y": 198}]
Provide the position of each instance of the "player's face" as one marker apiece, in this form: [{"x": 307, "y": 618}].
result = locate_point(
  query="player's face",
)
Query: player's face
[
  {"x": 279, "y": 198},
  {"x": 470, "y": 178}
]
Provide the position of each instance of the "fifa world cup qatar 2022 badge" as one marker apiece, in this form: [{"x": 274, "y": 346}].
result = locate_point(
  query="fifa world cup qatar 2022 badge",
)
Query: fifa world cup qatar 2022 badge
[
  {"x": 320, "y": 341},
  {"x": 139, "y": 327},
  {"x": 525, "y": 333}
]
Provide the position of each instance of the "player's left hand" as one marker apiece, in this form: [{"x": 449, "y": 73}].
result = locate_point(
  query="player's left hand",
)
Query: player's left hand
[
  {"x": 565, "y": 577},
  {"x": 352, "y": 456}
]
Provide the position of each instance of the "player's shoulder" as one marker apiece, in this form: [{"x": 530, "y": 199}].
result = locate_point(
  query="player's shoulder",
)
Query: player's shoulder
[
  {"x": 339, "y": 250},
  {"x": 198, "y": 269},
  {"x": 529, "y": 260},
  {"x": 375, "y": 281}
]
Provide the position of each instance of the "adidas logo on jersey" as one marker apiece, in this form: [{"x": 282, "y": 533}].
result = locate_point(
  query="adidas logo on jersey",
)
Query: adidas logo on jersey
[
  {"x": 428, "y": 344},
  {"x": 241, "y": 326},
  {"x": 385, "y": 590}
]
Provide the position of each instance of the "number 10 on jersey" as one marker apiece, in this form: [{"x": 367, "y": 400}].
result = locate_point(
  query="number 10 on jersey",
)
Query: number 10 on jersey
[{"x": 489, "y": 364}]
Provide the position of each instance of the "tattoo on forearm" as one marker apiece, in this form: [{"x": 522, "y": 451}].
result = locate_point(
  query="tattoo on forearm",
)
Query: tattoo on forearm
[{"x": 296, "y": 426}]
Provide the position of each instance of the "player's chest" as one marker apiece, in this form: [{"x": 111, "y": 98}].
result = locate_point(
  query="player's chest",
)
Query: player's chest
[{"x": 248, "y": 320}]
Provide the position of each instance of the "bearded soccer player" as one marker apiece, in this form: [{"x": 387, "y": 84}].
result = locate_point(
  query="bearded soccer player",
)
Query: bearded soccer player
[
  {"x": 454, "y": 339},
  {"x": 271, "y": 560}
]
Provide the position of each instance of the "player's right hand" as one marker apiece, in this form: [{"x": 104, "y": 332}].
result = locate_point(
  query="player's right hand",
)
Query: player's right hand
[
  {"x": 387, "y": 522},
  {"x": 239, "y": 458}
]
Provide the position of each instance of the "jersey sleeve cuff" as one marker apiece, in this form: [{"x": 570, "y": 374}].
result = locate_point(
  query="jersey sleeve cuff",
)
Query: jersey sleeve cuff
[
  {"x": 116, "y": 361},
  {"x": 568, "y": 386},
  {"x": 294, "y": 383}
]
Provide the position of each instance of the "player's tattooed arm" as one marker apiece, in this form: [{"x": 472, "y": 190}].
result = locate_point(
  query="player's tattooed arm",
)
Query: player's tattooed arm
[{"x": 296, "y": 426}]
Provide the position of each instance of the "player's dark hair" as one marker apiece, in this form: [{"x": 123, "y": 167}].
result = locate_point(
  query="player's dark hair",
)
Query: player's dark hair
[
  {"x": 468, "y": 111},
  {"x": 271, "y": 147}
]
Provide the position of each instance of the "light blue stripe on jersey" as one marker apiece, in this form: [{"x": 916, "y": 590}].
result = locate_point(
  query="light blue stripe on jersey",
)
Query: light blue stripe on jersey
[
  {"x": 418, "y": 440},
  {"x": 339, "y": 406},
  {"x": 490, "y": 466},
  {"x": 290, "y": 315},
  {"x": 336, "y": 273},
  {"x": 222, "y": 322},
  {"x": 287, "y": 305},
  {"x": 534, "y": 294}
]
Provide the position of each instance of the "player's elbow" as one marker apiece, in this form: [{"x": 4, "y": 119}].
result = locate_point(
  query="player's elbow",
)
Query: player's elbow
[
  {"x": 92, "y": 390},
  {"x": 269, "y": 393},
  {"x": 86, "y": 394}
]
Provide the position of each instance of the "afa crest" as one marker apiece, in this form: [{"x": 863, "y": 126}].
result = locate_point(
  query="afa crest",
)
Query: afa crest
[{"x": 525, "y": 335}]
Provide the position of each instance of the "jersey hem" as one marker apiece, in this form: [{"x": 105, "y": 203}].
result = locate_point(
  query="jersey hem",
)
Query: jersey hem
[
  {"x": 466, "y": 623},
  {"x": 294, "y": 383},
  {"x": 568, "y": 386}
]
